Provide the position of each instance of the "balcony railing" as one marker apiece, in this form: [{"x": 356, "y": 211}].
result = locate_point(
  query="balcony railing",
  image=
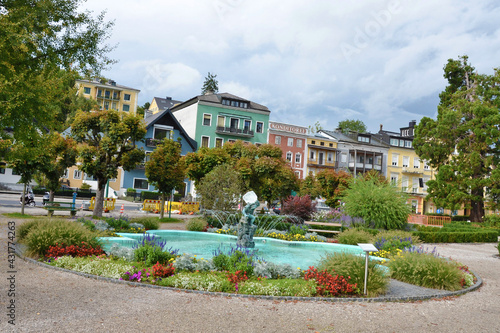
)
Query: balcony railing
[
  {"x": 234, "y": 131},
  {"x": 150, "y": 142}
]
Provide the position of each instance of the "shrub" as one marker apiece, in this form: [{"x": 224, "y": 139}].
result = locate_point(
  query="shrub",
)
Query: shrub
[
  {"x": 162, "y": 271},
  {"x": 24, "y": 229},
  {"x": 151, "y": 250},
  {"x": 380, "y": 204},
  {"x": 149, "y": 223},
  {"x": 275, "y": 271},
  {"x": 492, "y": 220},
  {"x": 354, "y": 266},
  {"x": 81, "y": 250},
  {"x": 47, "y": 233},
  {"x": 123, "y": 252},
  {"x": 298, "y": 229},
  {"x": 354, "y": 236},
  {"x": 196, "y": 224},
  {"x": 426, "y": 270},
  {"x": 498, "y": 248},
  {"x": 206, "y": 281},
  {"x": 302, "y": 207},
  {"x": 119, "y": 223},
  {"x": 479, "y": 236}
]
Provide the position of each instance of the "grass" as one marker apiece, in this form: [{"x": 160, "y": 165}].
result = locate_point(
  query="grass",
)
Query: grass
[
  {"x": 170, "y": 220},
  {"x": 18, "y": 215}
]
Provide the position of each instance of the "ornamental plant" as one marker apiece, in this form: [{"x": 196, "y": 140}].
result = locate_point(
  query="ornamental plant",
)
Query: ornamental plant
[
  {"x": 302, "y": 207},
  {"x": 331, "y": 285},
  {"x": 162, "y": 271},
  {"x": 82, "y": 250}
]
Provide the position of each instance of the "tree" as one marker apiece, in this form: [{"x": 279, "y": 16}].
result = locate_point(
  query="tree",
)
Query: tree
[
  {"x": 333, "y": 184},
  {"x": 221, "y": 188},
  {"x": 381, "y": 204},
  {"x": 107, "y": 141},
  {"x": 211, "y": 85},
  {"x": 351, "y": 125},
  {"x": 314, "y": 128},
  {"x": 59, "y": 153},
  {"x": 463, "y": 142},
  {"x": 37, "y": 40},
  {"x": 165, "y": 169},
  {"x": 142, "y": 109}
]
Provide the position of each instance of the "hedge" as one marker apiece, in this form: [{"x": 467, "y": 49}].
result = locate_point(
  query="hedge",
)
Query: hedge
[{"x": 443, "y": 236}]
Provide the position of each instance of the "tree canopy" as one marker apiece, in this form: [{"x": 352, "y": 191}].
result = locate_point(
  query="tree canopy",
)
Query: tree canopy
[
  {"x": 351, "y": 125},
  {"x": 165, "y": 169},
  {"x": 211, "y": 85},
  {"x": 107, "y": 141},
  {"x": 37, "y": 40},
  {"x": 463, "y": 142}
]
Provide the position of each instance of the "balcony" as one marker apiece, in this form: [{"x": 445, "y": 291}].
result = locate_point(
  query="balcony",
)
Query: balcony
[
  {"x": 152, "y": 143},
  {"x": 234, "y": 131}
]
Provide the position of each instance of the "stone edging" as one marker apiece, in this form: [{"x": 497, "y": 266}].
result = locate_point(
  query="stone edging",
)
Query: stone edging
[{"x": 475, "y": 286}]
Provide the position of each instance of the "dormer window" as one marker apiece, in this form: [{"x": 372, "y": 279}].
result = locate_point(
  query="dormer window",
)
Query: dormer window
[
  {"x": 234, "y": 103},
  {"x": 363, "y": 139}
]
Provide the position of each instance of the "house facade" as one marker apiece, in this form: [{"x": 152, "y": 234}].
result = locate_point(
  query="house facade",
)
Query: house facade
[
  {"x": 406, "y": 169},
  {"x": 159, "y": 126},
  {"x": 292, "y": 140},
  {"x": 214, "y": 119},
  {"x": 109, "y": 95},
  {"x": 321, "y": 154}
]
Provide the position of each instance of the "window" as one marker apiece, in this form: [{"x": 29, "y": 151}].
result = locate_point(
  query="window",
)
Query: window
[
  {"x": 106, "y": 105},
  {"x": 329, "y": 158},
  {"x": 405, "y": 184},
  {"x": 114, "y": 106},
  {"x": 235, "y": 103},
  {"x": 66, "y": 174},
  {"x": 221, "y": 121},
  {"x": 343, "y": 158},
  {"x": 260, "y": 127},
  {"x": 86, "y": 176},
  {"x": 415, "y": 185},
  {"x": 247, "y": 125},
  {"x": 235, "y": 122},
  {"x": 401, "y": 143},
  {"x": 320, "y": 158},
  {"x": 313, "y": 142},
  {"x": 395, "y": 158},
  {"x": 312, "y": 155},
  {"x": 289, "y": 157},
  {"x": 126, "y": 97},
  {"x": 2, "y": 168},
  {"x": 219, "y": 142},
  {"x": 299, "y": 143},
  {"x": 290, "y": 142},
  {"x": 277, "y": 139},
  {"x": 298, "y": 158},
  {"x": 107, "y": 94},
  {"x": 207, "y": 119},
  {"x": 408, "y": 144},
  {"x": 205, "y": 141},
  {"x": 141, "y": 184},
  {"x": 394, "y": 142},
  {"x": 115, "y": 95},
  {"x": 99, "y": 93},
  {"x": 77, "y": 174},
  {"x": 426, "y": 166},
  {"x": 416, "y": 163},
  {"x": 321, "y": 143},
  {"x": 161, "y": 133},
  {"x": 363, "y": 139},
  {"x": 126, "y": 107},
  {"x": 331, "y": 145},
  {"x": 226, "y": 102},
  {"x": 86, "y": 90},
  {"x": 406, "y": 161},
  {"x": 394, "y": 178}
]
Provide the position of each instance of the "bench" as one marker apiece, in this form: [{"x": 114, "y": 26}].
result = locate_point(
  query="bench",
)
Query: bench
[
  {"x": 52, "y": 206},
  {"x": 324, "y": 224}
]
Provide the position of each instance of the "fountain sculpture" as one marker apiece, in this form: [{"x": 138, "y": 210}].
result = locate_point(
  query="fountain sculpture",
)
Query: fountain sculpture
[{"x": 246, "y": 228}]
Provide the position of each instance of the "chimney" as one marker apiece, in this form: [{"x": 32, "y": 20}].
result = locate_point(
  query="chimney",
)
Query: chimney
[
  {"x": 169, "y": 98},
  {"x": 381, "y": 126},
  {"x": 413, "y": 123}
]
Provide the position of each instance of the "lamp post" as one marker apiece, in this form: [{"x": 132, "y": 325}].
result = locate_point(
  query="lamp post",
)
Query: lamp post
[{"x": 367, "y": 248}]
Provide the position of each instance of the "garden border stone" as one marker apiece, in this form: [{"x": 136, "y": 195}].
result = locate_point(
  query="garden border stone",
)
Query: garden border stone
[{"x": 436, "y": 294}]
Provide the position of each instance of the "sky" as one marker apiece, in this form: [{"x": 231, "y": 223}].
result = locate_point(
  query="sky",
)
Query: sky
[{"x": 311, "y": 61}]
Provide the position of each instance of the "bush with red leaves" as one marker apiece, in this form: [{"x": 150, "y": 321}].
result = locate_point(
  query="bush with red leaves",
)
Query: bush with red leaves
[{"x": 302, "y": 207}]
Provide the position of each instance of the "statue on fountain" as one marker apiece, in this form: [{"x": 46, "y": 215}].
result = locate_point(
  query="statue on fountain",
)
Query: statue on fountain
[{"x": 246, "y": 228}]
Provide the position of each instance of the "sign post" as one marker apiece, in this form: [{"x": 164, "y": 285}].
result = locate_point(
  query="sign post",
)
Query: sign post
[{"x": 367, "y": 248}]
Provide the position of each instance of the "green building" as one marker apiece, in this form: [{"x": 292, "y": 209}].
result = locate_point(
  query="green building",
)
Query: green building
[{"x": 214, "y": 119}]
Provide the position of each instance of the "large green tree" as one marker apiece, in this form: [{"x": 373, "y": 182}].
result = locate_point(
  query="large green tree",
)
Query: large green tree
[
  {"x": 107, "y": 141},
  {"x": 351, "y": 125},
  {"x": 165, "y": 169},
  {"x": 221, "y": 188},
  {"x": 463, "y": 142},
  {"x": 37, "y": 40},
  {"x": 211, "y": 85}
]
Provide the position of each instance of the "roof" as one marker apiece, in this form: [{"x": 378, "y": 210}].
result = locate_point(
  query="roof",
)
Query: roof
[
  {"x": 217, "y": 99},
  {"x": 109, "y": 84},
  {"x": 153, "y": 119},
  {"x": 165, "y": 103},
  {"x": 353, "y": 137}
]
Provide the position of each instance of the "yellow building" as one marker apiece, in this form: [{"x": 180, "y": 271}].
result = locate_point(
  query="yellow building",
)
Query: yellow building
[
  {"x": 74, "y": 178},
  {"x": 406, "y": 169},
  {"x": 109, "y": 95},
  {"x": 321, "y": 154}
]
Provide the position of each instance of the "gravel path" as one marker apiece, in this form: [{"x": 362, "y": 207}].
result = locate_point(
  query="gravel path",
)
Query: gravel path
[{"x": 55, "y": 301}]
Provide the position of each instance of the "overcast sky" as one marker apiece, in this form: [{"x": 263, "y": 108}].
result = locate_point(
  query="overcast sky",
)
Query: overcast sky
[{"x": 377, "y": 61}]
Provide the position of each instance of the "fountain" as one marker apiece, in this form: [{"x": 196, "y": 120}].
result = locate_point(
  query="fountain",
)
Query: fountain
[{"x": 246, "y": 227}]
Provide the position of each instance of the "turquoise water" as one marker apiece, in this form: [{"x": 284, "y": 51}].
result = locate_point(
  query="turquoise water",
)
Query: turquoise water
[{"x": 203, "y": 244}]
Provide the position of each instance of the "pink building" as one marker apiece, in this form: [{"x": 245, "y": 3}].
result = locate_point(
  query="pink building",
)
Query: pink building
[{"x": 292, "y": 140}]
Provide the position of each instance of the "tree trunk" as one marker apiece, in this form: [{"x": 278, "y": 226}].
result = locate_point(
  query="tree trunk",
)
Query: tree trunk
[
  {"x": 22, "y": 199},
  {"x": 51, "y": 195},
  {"x": 99, "y": 197},
  {"x": 162, "y": 205},
  {"x": 477, "y": 211}
]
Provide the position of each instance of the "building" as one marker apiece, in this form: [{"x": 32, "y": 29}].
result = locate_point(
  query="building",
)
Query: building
[
  {"x": 321, "y": 154},
  {"x": 160, "y": 125},
  {"x": 160, "y": 104},
  {"x": 359, "y": 153},
  {"x": 109, "y": 95},
  {"x": 406, "y": 169},
  {"x": 213, "y": 119},
  {"x": 292, "y": 140}
]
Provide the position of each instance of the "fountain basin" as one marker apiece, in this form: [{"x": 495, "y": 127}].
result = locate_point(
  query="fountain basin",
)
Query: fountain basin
[{"x": 203, "y": 244}]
